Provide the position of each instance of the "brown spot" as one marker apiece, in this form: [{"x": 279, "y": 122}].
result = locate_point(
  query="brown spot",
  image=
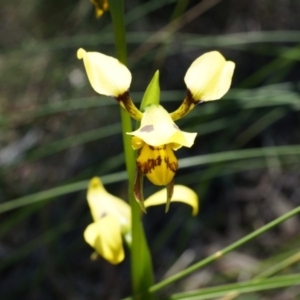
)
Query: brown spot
[
  {"x": 173, "y": 165},
  {"x": 149, "y": 165},
  {"x": 187, "y": 105},
  {"x": 157, "y": 148},
  {"x": 125, "y": 101},
  {"x": 147, "y": 128},
  {"x": 158, "y": 158},
  {"x": 191, "y": 100},
  {"x": 123, "y": 98},
  {"x": 103, "y": 215}
]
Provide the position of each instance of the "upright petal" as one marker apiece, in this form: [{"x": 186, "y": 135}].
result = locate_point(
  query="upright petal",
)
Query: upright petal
[
  {"x": 103, "y": 203},
  {"x": 181, "y": 193},
  {"x": 209, "y": 76},
  {"x": 106, "y": 74},
  {"x": 105, "y": 237},
  {"x": 157, "y": 128}
]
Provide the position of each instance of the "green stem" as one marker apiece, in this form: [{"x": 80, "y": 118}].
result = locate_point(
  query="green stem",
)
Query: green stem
[
  {"x": 226, "y": 250},
  {"x": 117, "y": 14},
  {"x": 141, "y": 264}
]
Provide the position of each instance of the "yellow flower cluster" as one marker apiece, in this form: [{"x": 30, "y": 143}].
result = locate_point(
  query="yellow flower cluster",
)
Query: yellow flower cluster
[
  {"x": 112, "y": 217},
  {"x": 208, "y": 78}
]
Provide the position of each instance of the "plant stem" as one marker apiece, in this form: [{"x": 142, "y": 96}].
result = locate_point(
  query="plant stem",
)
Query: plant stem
[{"x": 141, "y": 264}]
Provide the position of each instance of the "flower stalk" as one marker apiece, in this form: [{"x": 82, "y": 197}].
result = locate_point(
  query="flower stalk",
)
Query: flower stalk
[{"x": 142, "y": 276}]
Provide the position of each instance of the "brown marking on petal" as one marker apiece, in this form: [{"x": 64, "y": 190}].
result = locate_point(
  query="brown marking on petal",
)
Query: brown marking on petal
[
  {"x": 103, "y": 215},
  {"x": 125, "y": 101},
  {"x": 163, "y": 147},
  {"x": 159, "y": 164},
  {"x": 158, "y": 160},
  {"x": 123, "y": 98},
  {"x": 149, "y": 165},
  {"x": 147, "y": 128},
  {"x": 175, "y": 126},
  {"x": 190, "y": 99},
  {"x": 173, "y": 165},
  {"x": 186, "y": 106}
]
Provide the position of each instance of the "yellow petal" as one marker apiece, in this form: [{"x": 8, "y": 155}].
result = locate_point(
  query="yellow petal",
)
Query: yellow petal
[
  {"x": 209, "y": 76},
  {"x": 103, "y": 203},
  {"x": 137, "y": 143},
  {"x": 105, "y": 237},
  {"x": 159, "y": 164},
  {"x": 157, "y": 128},
  {"x": 106, "y": 74},
  {"x": 181, "y": 193}
]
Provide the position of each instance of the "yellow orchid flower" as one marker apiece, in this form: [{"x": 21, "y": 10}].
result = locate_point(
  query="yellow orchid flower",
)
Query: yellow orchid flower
[
  {"x": 101, "y": 6},
  {"x": 208, "y": 78},
  {"x": 112, "y": 217},
  {"x": 156, "y": 138}
]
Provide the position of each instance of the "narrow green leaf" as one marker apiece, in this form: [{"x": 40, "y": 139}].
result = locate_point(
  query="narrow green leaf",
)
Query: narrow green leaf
[
  {"x": 239, "y": 288},
  {"x": 57, "y": 191},
  {"x": 184, "y": 163},
  {"x": 208, "y": 260}
]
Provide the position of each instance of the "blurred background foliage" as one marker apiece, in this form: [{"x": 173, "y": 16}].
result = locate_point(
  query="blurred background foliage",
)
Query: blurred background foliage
[{"x": 56, "y": 134}]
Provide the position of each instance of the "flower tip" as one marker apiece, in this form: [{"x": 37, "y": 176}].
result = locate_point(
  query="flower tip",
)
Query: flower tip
[
  {"x": 94, "y": 256},
  {"x": 80, "y": 53},
  {"x": 152, "y": 93},
  {"x": 167, "y": 207},
  {"x": 142, "y": 206},
  {"x": 95, "y": 183},
  {"x": 170, "y": 191},
  {"x": 231, "y": 66}
]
